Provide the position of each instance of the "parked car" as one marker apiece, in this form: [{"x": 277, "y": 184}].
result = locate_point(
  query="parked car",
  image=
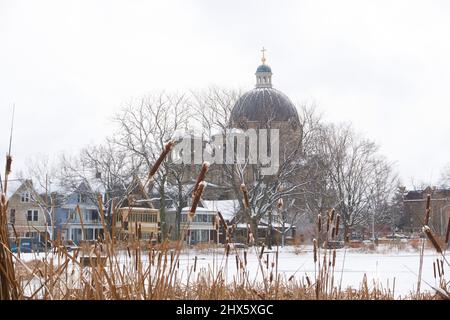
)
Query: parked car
[
  {"x": 238, "y": 245},
  {"x": 333, "y": 244},
  {"x": 26, "y": 245},
  {"x": 397, "y": 236}
]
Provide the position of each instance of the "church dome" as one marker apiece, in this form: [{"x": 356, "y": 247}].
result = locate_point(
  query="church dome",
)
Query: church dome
[
  {"x": 264, "y": 104},
  {"x": 264, "y": 68}
]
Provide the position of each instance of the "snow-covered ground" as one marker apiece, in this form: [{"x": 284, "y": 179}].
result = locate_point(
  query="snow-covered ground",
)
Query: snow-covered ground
[{"x": 382, "y": 266}]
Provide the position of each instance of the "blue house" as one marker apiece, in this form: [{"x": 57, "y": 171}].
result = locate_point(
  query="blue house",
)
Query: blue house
[{"x": 79, "y": 225}]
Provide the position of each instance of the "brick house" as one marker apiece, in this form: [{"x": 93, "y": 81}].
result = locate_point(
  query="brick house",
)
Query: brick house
[{"x": 415, "y": 204}]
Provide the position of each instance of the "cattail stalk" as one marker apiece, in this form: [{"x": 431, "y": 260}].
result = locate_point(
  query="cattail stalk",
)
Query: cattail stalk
[
  {"x": 319, "y": 222},
  {"x": 447, "y": 234},
  {"x": 245, "y": 194},
  {"x": 196, "y": 199},
  {"x": 315, "y": 250},
  {"x": 200, "y": 177},
  {"x": 262, "y": 252},
  {"x": 222, "y": 221},
  {"x": 438, "y": 267},
  {"x": 332, "y": 215},
  {"x": 430, "y": 236},
  {"x": 336, "y": 230},
  {"x": 428, "y": 210},
  {"x": 334, "y": 257},
  {"x": 161, "y": 158}
]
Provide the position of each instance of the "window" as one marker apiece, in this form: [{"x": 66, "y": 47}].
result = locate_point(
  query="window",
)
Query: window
[
  {"x": 94, "y": 215},
  {"x": 81, "y": 198},
  {"x": 32, "y": 215},
  {"x": 12, "y": 216},
  {"x": 25, "y": 197}
]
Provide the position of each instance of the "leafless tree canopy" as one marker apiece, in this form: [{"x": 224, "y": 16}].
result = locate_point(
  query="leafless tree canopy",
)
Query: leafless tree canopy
[{"x": 330, "y": 167}]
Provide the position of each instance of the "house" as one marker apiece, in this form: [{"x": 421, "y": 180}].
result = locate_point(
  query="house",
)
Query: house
[
  {"x": 27, "y": 212},
  {"x": 78, "y": 218},
  {"x": 414, "y": 203},
  {"x": 137, "y": 216},
  {"x": 202, "y": 228}
]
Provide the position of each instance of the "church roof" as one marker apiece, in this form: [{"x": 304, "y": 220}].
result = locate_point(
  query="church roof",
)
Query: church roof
[
  {"x": 263, "y": 105},
  {"x": 264, "y": 68}
]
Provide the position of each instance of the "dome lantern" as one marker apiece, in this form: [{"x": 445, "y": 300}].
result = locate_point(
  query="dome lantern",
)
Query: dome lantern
[{"x": 263, "y": 73}]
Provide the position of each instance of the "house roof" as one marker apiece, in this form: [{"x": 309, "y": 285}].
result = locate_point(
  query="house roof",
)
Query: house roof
[
  {"x": 13, "y": 186},
  {"x": 228, "y": 208}
]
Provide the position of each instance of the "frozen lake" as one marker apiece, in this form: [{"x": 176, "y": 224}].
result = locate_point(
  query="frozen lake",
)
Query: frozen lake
[{"x": 383, "y": 265}]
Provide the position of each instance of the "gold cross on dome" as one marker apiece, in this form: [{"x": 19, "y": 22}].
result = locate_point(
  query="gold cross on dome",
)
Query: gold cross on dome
[{"x": 263, "y": 59}]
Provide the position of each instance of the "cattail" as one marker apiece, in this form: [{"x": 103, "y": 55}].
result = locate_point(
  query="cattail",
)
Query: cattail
[
  {"x": 427, "y": 231},
  {"x": 291, "y": 277},
  {"x": 262, "y": 252},
  {"x": 434, "y": 269},
  {"x": 161, "y": 158},
  {"x": 196, "y": 199},
  {"x": 8, "y": 164},
  {"x": 319, "y": 222},
  {"x": 227, "y": 250},
  {"x": 336, "y": 231},
  {"x": 332, "y": 215},
  {"x": 438, "y": 267},
  {"x": 245, "y": 193},
  {"x": 271, "y": 276},
  {"x": 280, "y": 203},
  {"x": 328, "y": 222},
  {"x": 195, "y": 263},
  {"x": 200, "y": 177},
  {"x": 170, "y": 230},
  {"x": 251, "y": 238},
  {"x": 245, "y": 258},
  {"x": 448, "y": 231},
  {"x": 315, "y": 250},
  {"x": 139, "y": 231},
  {"x": 442, "y": 266},
  {"x": 334, "y": 257},
  {"x": 237, "y": 262},
  {"x": 308, "y": 281},
  {"x": 428, "y": 210},
  {"x": 222, "y": 220},
  {"x": 333, "y": 232},
  {"x": 267, "y": 261}
]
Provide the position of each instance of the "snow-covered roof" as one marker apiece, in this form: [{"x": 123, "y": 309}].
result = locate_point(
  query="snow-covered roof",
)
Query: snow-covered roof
[
  {"x": 275, "y": 224},
  {"x": 199, "y": 209},
  {"x": 228, "y": 208},
  {"x": 13, "y": 186}
]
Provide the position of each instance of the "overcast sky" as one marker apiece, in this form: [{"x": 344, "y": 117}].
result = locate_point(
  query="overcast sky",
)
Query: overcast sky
[{"x": 383, "y": 65}]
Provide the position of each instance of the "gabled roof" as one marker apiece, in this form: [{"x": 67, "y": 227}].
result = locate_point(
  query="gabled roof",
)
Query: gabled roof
[
  {"x": 13, "y": 186},
  {"x": 228, "y": 208}
]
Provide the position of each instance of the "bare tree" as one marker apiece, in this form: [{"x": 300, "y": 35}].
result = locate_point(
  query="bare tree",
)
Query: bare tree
[
  {"x": 143, "y": 130},
  {"x": 357, "y": 176}
]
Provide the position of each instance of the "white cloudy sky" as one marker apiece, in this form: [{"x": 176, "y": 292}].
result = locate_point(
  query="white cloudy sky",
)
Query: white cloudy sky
[{"x": 383, "y": 65}]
